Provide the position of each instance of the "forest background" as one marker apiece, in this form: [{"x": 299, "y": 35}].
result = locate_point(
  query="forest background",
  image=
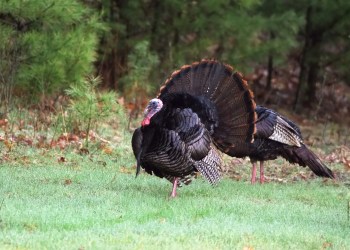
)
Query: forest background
[
  {"x": 295, "y": 54},
  {"x": 75, "y": 76}
]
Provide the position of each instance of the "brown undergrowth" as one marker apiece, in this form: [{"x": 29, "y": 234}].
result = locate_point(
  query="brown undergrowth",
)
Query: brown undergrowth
[{"x": 46, "y": 129}]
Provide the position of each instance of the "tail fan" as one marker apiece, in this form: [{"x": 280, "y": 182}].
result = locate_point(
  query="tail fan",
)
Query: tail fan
[{"x": 228, "y": 92}]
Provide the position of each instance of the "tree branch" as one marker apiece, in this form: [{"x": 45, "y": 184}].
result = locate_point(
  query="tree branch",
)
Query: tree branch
[{"x": 21, "y": 25}]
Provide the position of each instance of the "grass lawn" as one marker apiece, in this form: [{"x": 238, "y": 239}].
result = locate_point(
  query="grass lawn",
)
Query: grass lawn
[{"x": 96, "y": 203}]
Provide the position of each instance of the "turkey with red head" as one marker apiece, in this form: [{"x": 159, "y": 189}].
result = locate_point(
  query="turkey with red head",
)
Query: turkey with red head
[
  {"x": 278, "y": 136},
  {"x": 201, "y": 108}
]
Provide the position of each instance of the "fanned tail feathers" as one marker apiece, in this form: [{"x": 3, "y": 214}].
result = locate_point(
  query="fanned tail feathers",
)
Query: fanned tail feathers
[{"x": 229, "y": 93}]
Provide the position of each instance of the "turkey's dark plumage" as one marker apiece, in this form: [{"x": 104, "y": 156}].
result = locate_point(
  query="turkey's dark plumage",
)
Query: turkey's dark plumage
[
  {"x": 278, "y": 136},
  {"x": 201, "y": 108}
]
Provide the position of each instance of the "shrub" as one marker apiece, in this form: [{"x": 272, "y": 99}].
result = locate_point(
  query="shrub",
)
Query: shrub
[{"x": 89, "y": 108}]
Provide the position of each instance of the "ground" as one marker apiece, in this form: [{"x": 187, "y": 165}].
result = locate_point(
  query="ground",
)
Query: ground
[{"x": 61, "y": 196}]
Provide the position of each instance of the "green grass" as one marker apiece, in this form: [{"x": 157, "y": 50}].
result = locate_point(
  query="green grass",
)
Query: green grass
[{"x": 93, "y": 203}]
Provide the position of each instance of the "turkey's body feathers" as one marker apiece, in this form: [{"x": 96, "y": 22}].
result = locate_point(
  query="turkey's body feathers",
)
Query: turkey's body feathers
[{"x": 178, "y": 148}]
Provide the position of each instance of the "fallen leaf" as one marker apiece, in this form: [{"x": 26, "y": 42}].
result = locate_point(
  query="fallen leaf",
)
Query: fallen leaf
[
  {"x": 107, "y": 150},
  {"x": 9, "y": 144},
  {"x": 61, "y": 159},
  {"x": 73, "y": 137},
  {"x": 24, "y": 159},
  {"x": 67, "y": 182},
  {"x": 126, "y": 170},
  {"x": 84, "y": 151},
  {"x": 3, "y": 122},
  {"x": 62, "y": 144},
  {"x": 326, "y": 245},
  {"x": 248, "y": 248},
  {"x": 346, "y": 163}
]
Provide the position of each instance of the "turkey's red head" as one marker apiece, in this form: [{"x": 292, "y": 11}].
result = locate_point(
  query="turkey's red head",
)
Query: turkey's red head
[{"x": 152, "y": 108}]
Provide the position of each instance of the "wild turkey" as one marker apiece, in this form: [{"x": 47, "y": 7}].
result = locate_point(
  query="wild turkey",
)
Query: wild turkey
[
  {"x": 201, "y": 108},
  {"x": 278, "y": 136}
]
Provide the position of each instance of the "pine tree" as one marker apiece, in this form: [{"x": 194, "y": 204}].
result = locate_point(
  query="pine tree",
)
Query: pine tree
[{"x": 45, "y": 45}]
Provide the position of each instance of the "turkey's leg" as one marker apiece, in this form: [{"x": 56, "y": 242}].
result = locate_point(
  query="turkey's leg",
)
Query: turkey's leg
[
  {"x": 173, "y": 192},
  {"x": 253, "y": 173},
  {"x": 262, "y": 177}
]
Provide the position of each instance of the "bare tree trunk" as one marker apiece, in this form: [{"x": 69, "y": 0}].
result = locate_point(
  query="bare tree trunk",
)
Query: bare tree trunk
[
  {"x": 113, "y": 54},
  {"x": 9, "y": 64},
  {"x": 269, "y": 72},
  {"x": 312, "y": 78},
  {"x": 303, "y": 60},
  {"x": 163, "y": 40},
  {"x": 269, "y": 66}
]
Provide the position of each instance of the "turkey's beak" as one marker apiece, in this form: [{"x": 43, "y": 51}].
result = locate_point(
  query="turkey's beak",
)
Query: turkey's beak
[{"x": 138, "y": 164}]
